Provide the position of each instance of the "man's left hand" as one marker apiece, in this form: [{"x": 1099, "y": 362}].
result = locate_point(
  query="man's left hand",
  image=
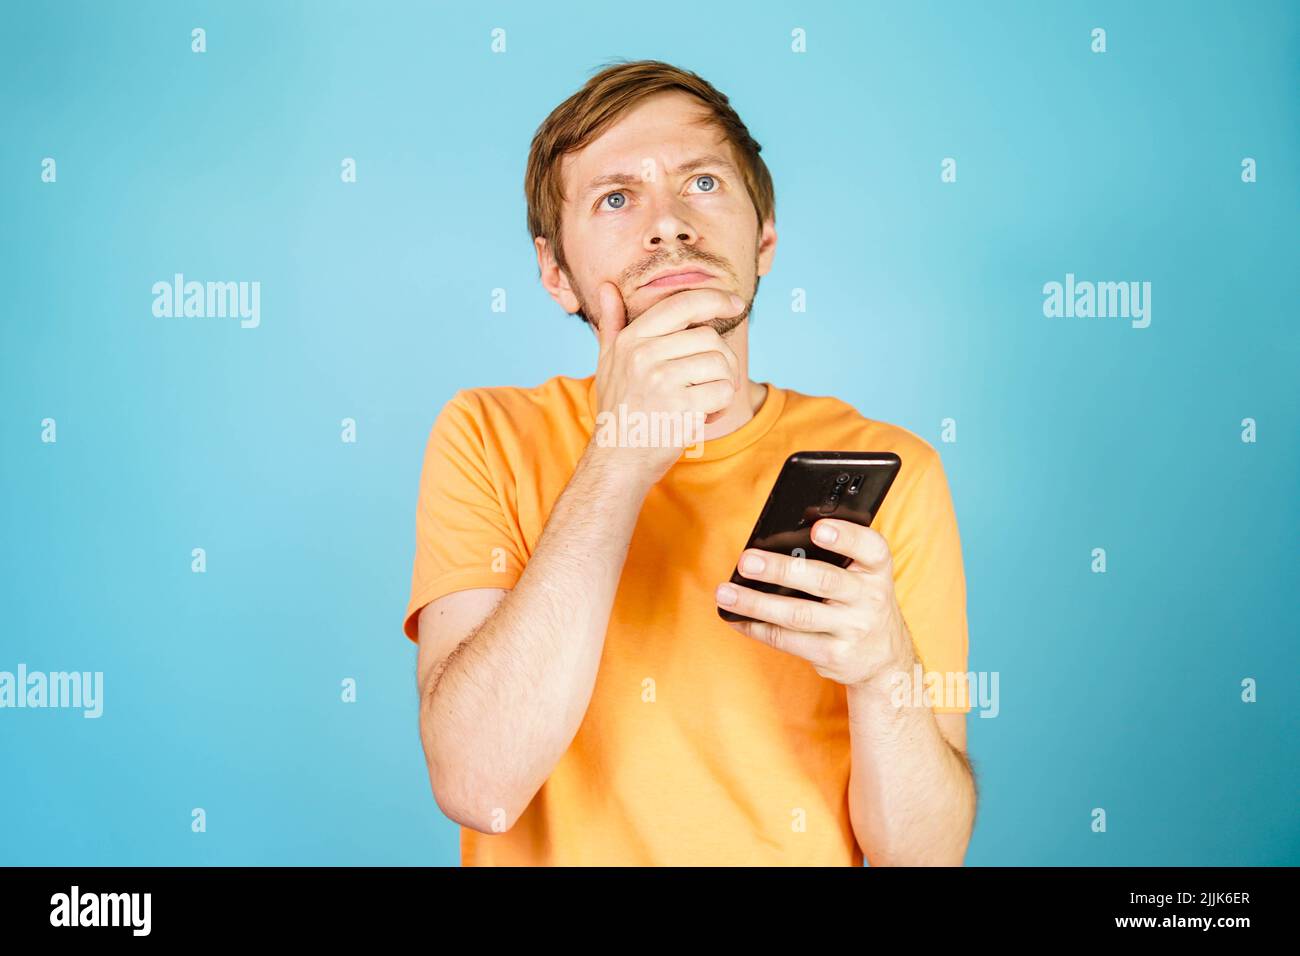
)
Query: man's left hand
[{"x": 857, "y": 636}]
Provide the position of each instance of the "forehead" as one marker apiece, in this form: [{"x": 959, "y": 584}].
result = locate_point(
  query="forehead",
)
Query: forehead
[{"x": 662, "y": 127}]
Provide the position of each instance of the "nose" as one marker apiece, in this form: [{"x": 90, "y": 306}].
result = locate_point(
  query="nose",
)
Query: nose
[{"x": 668, "y": 228}]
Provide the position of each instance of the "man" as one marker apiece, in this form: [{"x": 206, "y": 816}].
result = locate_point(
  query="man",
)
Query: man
[{"x": 582, "y": 702}]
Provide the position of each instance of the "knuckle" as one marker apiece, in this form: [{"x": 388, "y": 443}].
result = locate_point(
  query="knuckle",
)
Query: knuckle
[
  {"x": 772, "y": 636},
  {"x": 877, "y": 543},
  {"x": 777, "y": 569},
  {"x": 856, "y": 589},
  {"x": 800, "y": 616},
  {"x": 828, "y": 582},
  {"x": 836, "y": 655}
]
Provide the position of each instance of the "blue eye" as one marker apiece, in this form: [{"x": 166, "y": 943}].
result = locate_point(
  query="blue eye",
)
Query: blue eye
[{"x": 618, "y": 199}]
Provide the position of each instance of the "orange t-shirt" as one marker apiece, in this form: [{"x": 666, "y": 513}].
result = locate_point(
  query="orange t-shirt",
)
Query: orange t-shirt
[{"x": 700, "y": 746}]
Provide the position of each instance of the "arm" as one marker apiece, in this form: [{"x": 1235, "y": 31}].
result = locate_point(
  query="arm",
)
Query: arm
[
  {"x": 912, "y": 795},
  {"x": 506, "y": 678},
  {"x": 500, "y": 706}
]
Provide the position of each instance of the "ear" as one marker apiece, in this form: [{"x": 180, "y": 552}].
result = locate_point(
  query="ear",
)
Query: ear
[
  {"x": 766, "y": 246},
  {"x": 553, "y": 278}
]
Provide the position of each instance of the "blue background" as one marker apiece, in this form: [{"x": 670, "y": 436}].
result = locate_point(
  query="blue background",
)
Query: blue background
[{"x": 1118, "y": 690}]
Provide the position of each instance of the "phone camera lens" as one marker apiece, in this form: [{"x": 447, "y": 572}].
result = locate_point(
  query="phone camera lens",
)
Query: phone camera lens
[{"x": 841, "y": 479}]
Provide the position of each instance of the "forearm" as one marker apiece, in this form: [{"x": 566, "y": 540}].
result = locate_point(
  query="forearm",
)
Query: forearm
[
  {"x": 911, "y": 794},
  {"x": 506, "y": 704}
]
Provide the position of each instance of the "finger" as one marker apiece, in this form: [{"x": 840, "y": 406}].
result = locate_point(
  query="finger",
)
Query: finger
[
  {"x": 819, "y": 578},
  {"x": 796, "y": 614},
  {"x": 702, "y": 338},
  {"x": 698, "y": 369},
  {"x": 613, "y": 315},
  {"x": 684, "y": 308},
  {"x": 811, "y": 647},
  {"x": 709, "y": 398},
  {"x": 866, "y": 546}
]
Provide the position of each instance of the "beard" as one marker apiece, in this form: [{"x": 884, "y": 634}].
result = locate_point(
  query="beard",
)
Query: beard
[{"x": 728, "y": 322}]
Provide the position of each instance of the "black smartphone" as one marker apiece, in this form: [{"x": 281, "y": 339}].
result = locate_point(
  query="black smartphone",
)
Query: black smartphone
[{"x": 850, "y": 486}]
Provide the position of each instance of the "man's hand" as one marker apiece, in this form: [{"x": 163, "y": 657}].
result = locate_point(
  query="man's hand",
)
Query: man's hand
[
  {"x": 856, "y": 637},
  {"x": 659, "y": 364}
]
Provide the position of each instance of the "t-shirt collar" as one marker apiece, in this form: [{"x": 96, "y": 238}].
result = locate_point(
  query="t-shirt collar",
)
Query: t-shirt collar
[{"x": 744, "y": 436}]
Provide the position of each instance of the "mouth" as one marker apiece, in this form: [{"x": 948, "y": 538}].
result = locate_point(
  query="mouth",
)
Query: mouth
[{"x": 679, "y": 277}]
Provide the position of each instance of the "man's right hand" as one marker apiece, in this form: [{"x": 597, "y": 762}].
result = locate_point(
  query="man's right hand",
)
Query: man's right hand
[{"x": 659, "y": 364}]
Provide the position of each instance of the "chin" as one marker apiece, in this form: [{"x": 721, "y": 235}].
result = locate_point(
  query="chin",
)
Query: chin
[{"x": 725, "y": 326}]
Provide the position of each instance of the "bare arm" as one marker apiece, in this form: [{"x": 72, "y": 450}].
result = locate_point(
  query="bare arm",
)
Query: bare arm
[
  {"x": 499, "y": 711},
  {"x": 502, "y": 697},
  {"x": 912, "y": 792}
]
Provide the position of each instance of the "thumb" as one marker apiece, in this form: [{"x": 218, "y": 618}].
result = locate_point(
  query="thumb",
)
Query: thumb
[{"x": 613, "y": 315}]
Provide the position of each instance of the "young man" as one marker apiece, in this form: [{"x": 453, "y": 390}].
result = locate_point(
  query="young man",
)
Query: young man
[{"x": 581, "y": 700}]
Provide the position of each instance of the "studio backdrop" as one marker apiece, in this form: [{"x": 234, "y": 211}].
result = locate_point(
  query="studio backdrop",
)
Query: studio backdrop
[{"x": 1057, "y": 241}]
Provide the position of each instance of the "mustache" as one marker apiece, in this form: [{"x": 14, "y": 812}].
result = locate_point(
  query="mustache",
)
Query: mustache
[{"x": 650, "y": 266}]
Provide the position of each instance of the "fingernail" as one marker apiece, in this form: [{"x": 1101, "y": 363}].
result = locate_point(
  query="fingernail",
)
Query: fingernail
[
  {"x": 825, "y": 534},
  {"x": 751, "y": 564},
  {"x": 726, "y": 594}
]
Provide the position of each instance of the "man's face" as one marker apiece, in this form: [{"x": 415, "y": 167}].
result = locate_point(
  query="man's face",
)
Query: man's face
[{"x": 656, "y": 194}]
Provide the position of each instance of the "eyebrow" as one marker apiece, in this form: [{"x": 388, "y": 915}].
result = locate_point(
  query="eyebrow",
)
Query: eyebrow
[{"x": 627, "y": 179}]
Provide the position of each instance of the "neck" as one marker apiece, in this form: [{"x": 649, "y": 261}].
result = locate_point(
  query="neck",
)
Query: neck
[{"x": 748, "y": 400}]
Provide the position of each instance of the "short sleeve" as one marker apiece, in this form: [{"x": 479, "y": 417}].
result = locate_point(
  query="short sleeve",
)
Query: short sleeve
[
  {"x": 464, "y": 537},
  {"x": 930, "y": 584}
]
